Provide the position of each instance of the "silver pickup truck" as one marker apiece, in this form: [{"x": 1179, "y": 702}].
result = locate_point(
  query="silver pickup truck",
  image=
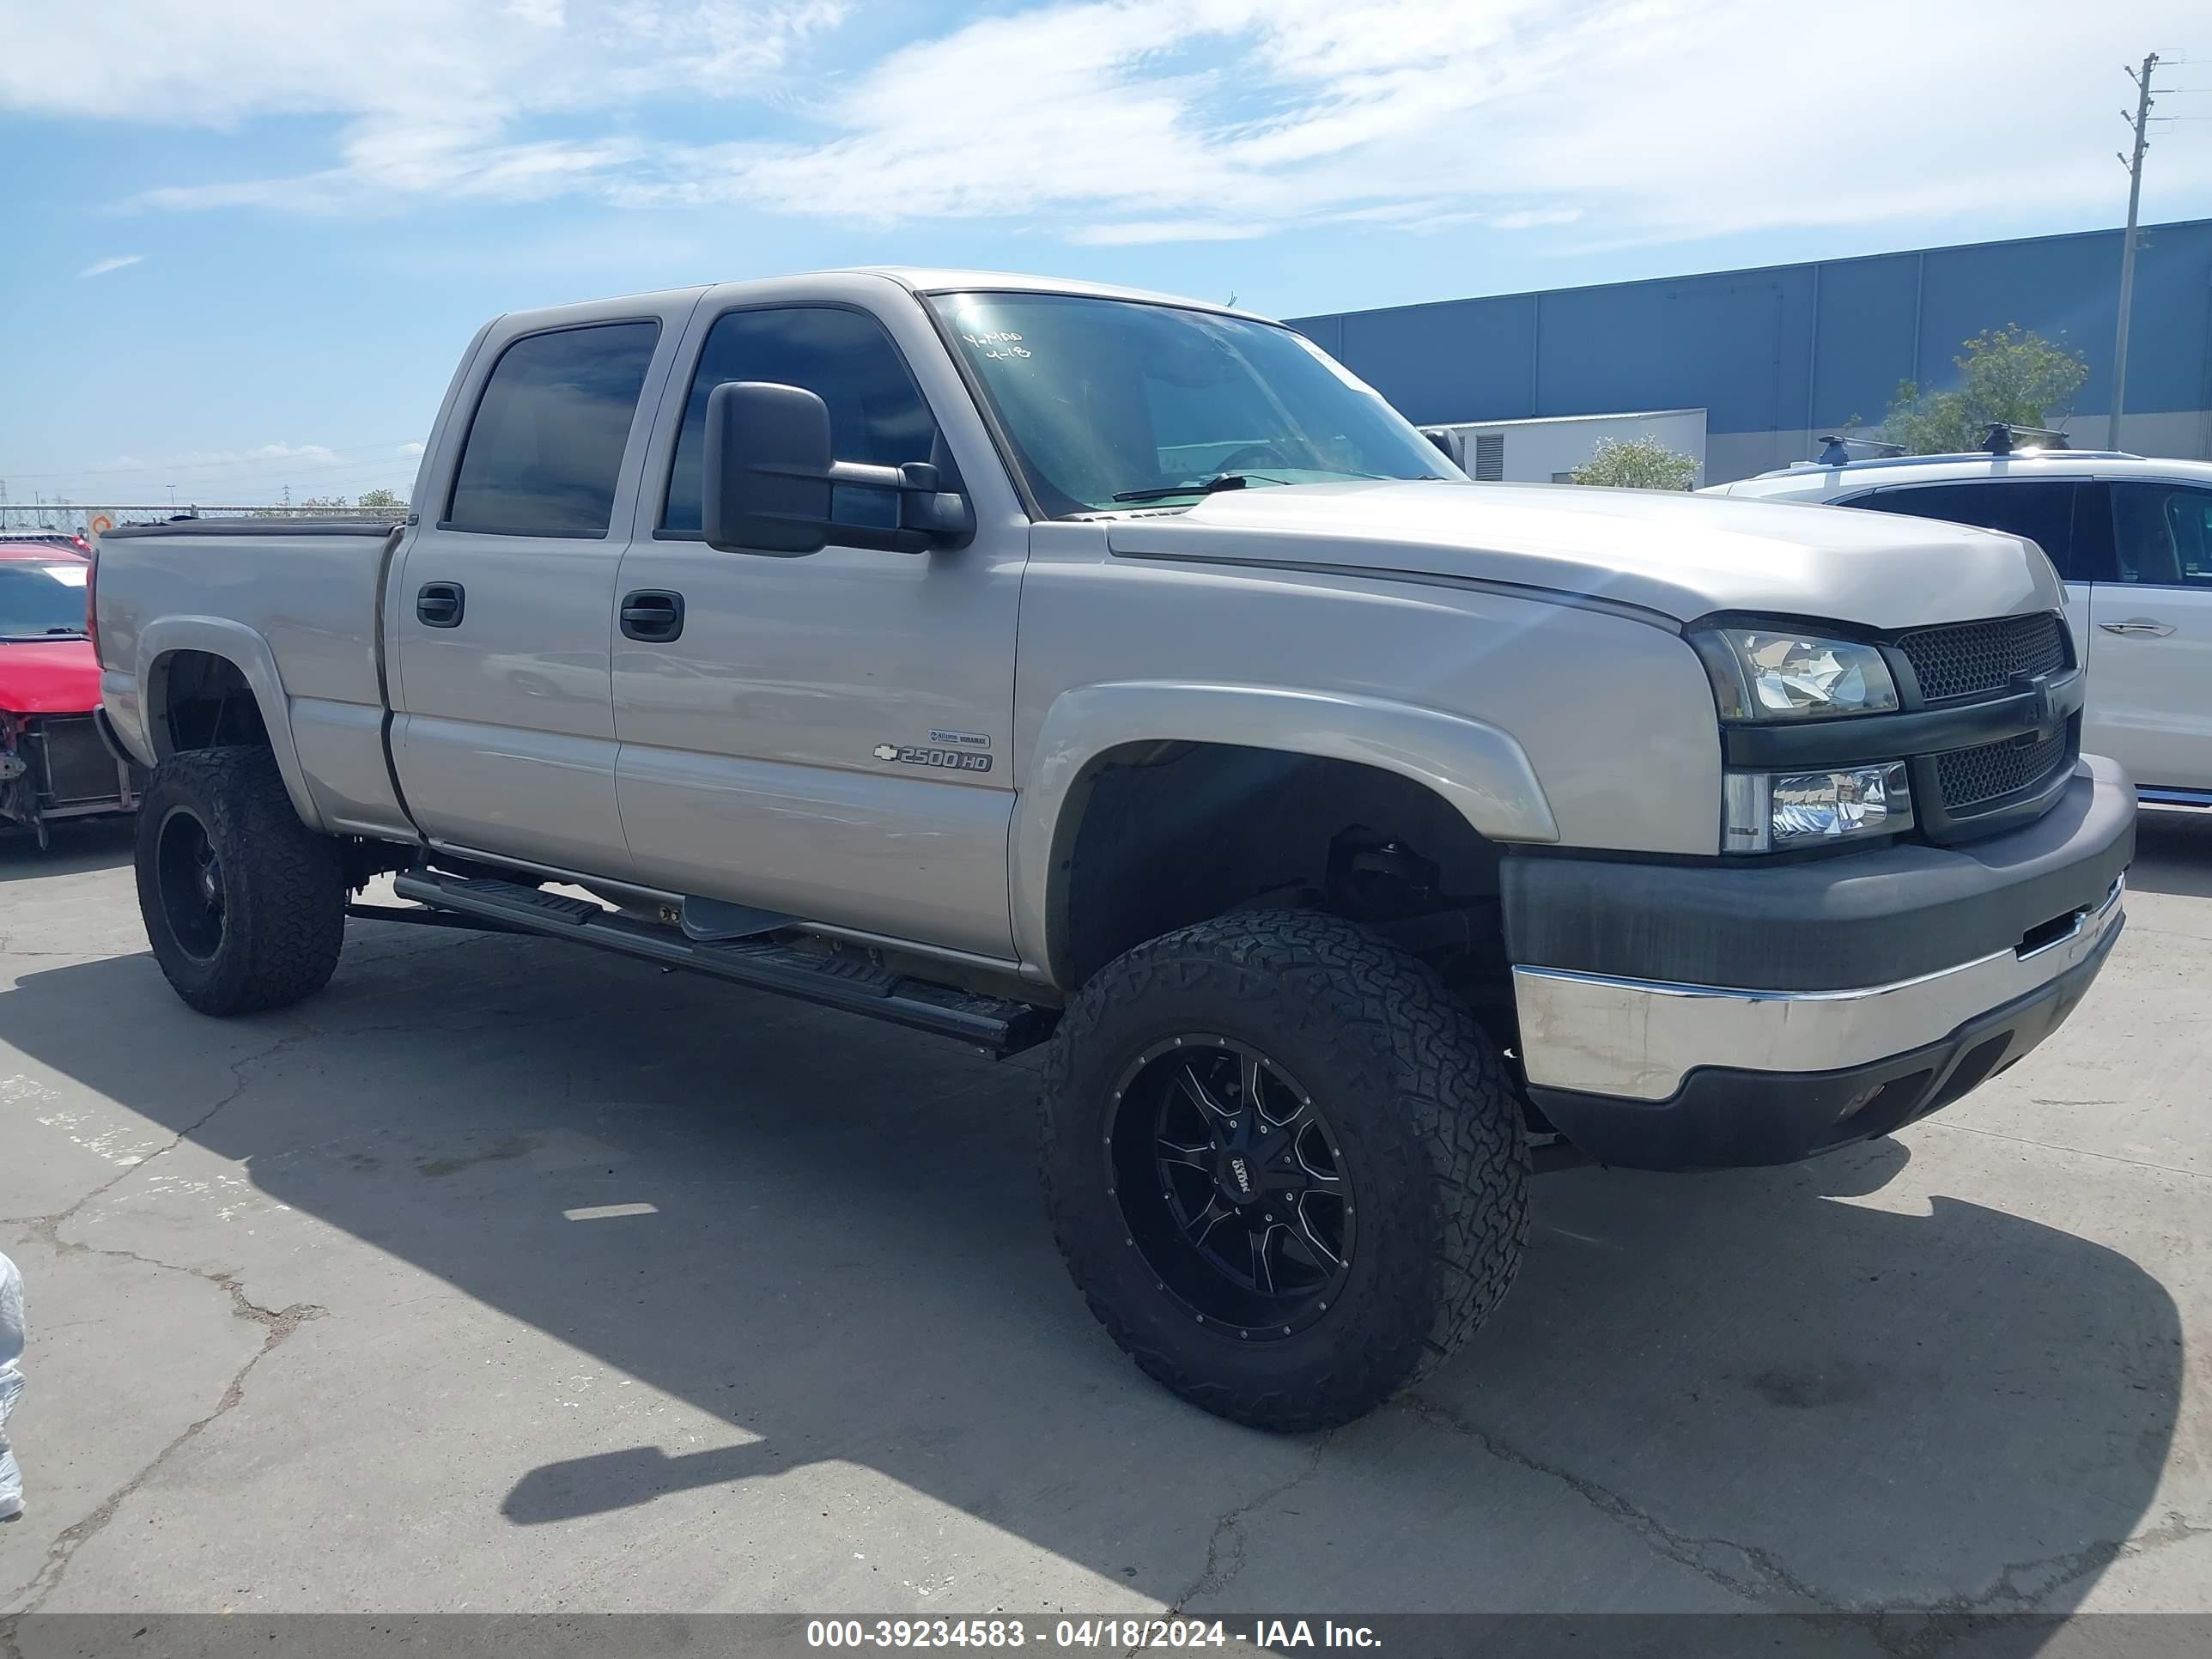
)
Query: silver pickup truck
[{"x": 1029, "y": 662}]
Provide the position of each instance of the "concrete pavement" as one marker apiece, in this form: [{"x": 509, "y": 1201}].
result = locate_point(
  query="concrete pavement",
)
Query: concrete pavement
[{"x": 508, "y": 1277}]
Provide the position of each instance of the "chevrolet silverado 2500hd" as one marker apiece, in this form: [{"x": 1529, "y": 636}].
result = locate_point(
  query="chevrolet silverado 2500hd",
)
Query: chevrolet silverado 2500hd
[{"x": 1033, "y": 662}]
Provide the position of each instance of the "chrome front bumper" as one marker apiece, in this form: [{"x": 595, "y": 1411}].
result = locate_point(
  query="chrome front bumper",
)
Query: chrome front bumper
[{"x": 1639, "y": 1040}]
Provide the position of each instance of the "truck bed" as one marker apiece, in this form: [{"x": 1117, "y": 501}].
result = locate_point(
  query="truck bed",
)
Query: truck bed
[
  {"x": 222, "y": 527},
  {"x": 299, "y": 604}
]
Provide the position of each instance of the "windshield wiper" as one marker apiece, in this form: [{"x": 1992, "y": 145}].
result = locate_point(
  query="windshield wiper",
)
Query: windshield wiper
[{"x": 1218, "y": 482}]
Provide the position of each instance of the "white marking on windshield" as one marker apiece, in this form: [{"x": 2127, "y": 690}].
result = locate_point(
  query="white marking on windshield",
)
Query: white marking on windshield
[{"x": 998, "y": 342}]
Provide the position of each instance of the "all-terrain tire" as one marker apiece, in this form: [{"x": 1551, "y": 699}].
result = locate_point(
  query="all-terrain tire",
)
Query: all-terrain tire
[
  {"x": 1420, "y": 1104},
  {"x": 281, "y": 886}
]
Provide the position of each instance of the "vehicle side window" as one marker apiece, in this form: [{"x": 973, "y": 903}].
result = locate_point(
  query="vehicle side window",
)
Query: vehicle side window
[
  {"x": 2093, "y": 533},
  {"x": 2162, "y": 534},
  {"x": 2041, "y": 509},
  {"x": 877, "y": 413},
  {"x": 546, "y": 447}
]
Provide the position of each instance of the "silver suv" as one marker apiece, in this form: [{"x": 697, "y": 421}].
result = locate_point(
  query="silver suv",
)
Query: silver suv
[{"x": 2131, "y": 539}]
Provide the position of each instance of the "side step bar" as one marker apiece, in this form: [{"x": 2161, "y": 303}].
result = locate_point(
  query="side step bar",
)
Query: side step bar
[{"x": 994, "y": 1024}]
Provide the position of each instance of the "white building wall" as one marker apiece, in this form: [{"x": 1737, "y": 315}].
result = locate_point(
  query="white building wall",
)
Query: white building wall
[{"x": 1545, "y": 451}]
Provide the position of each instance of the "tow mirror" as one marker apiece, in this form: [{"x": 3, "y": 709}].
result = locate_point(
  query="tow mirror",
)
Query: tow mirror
[{"x": 773, "y": 484}]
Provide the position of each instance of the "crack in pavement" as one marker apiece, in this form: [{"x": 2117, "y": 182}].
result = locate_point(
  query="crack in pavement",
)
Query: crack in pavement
[
  {"x": 1764, "y": 1578},
  {"x": 46, "y": 1229},
  {"x": 277, "y": 1325},
  {"x": 1917, "y": 1633},
  {"x": 1955, "y": 1618},
  {"x": 1217, "y": 1572},
  {"x": 2065, "y": 1150}
]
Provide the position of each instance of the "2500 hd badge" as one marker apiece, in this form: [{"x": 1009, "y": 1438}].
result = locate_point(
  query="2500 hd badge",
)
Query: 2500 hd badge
[{"x": 954, "y": 759}]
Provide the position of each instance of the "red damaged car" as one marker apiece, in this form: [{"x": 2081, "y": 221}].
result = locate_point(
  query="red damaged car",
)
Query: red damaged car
[{"x": 52, "y": 763}]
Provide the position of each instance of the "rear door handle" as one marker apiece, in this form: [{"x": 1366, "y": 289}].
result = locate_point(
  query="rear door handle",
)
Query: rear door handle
[
  {"x": 652, "y": 614},
  {"x": 2139, "y": 625},
  {"x": 439, "y": 605}
]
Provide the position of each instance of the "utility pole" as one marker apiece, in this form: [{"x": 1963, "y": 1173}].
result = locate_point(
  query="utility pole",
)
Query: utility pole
[{"x": 2141, "y": 122}]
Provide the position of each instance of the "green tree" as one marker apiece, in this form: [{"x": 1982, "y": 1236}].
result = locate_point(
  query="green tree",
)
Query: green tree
[
  {"x": 382, "y": 500},
  {"x": 2010, "y": 374},
  {"x": 1637, "y": 464}
]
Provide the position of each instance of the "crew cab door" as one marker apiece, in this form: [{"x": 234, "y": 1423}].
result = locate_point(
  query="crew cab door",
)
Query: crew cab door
[
  {"x": 501, "y": 609},
  {"x": 825, "y": 735},
  {"x": 2150, "y": 636}
]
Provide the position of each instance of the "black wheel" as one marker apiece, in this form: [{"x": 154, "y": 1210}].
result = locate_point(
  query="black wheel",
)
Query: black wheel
[
  {"x": 244, "y": 904},
  {"x": 1287, "y": 1170}
]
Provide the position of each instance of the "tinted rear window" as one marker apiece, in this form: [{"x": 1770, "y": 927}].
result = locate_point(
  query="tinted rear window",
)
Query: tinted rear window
[
  {"x": 545, "y": 448},
  {"x": 2164, "y": 534},
  {"x": 2041, "y": 509}
]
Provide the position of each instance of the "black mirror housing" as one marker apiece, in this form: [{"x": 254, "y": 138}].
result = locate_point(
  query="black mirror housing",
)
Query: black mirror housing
[
  {"x": 768, "y": 461},
  {"x": 773, "y": 484}
]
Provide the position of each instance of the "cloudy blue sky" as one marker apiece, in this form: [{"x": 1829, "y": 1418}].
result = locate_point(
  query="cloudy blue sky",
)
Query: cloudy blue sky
[{"x": 246, "y": 238}]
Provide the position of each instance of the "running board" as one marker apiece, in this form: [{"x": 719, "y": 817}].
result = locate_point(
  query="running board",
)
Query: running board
[{"x": 994, "y": 1024}]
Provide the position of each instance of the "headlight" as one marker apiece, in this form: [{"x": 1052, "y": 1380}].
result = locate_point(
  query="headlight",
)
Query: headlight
[
  {"x": 1774, "y": 812},
  {"x": 1775, "y": 674}
]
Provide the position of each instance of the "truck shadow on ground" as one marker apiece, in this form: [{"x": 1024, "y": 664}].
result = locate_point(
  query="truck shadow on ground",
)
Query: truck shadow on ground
[
  {"x": 104, "y": 844},
  {"x": 1705, "y": 1392},
  {"x": 2173, "y": 852}
]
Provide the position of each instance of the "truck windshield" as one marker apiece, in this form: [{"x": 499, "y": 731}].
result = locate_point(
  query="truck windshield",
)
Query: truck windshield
[
  {"x": 40, "y": 600},
  {"x": 1109, "y": 402}
]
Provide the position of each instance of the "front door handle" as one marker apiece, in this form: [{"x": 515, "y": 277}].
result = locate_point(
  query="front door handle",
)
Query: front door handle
[
  {"x": 439, "y": 605},
  {"x": 2139, "y": 625},
  {"x": 652, "y": 614}
]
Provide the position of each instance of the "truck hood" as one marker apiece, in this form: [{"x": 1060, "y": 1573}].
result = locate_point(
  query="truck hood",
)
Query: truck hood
[
  {"x": 1684, "y": 556},
  {"x": 48, "y": 676}
]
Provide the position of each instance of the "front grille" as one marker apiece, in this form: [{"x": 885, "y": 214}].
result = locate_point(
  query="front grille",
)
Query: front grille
[
  {"x": 1968, "y": 657},
  {"x": 1968, "y": 777},
  {"x": 78, "y": 767}
]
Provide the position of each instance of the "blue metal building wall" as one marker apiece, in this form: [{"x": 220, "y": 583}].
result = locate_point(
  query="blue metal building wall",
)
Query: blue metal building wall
[{"x": 1776, "y": 356}]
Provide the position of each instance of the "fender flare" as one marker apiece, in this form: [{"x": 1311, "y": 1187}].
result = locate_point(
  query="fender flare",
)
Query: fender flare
[
  {"x": 1480, "y": 770},
  {"x": 248, "y": 652}
]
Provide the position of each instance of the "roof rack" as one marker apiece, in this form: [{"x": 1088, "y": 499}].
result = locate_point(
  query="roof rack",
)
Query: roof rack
[
  {"x": 1837, "y": 450},
  {"x": 1875, "y": 463},
  {"x": 2004, "y": 437}
]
